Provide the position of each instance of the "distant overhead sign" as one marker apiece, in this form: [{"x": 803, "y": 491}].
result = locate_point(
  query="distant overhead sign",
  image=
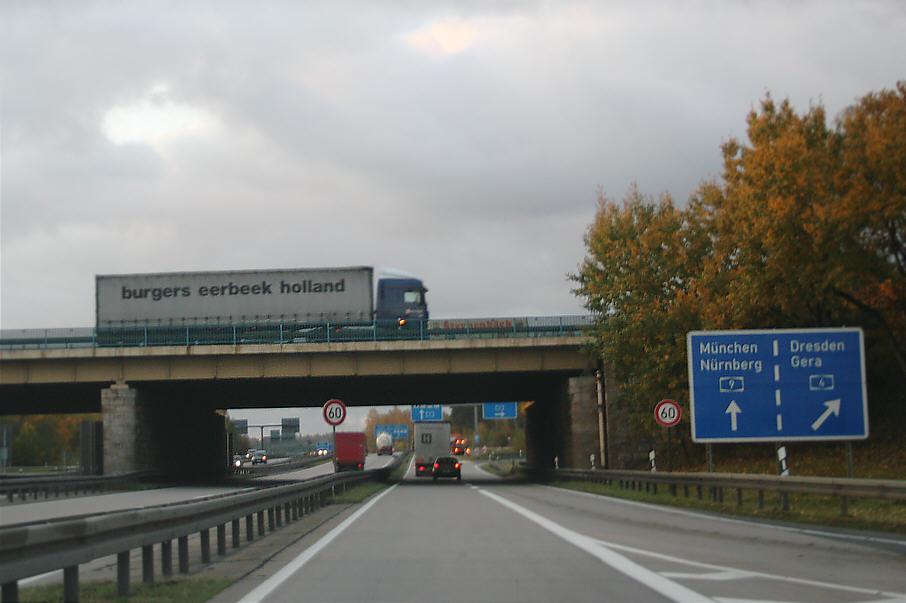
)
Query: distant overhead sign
[
  {"x": 785, "y": 384},
  {"x": 242, "y": 426},
  {"x": 397, "y": 432},
  {"x": 427, "y": 412},
  {"x": 498, "y": 410}
]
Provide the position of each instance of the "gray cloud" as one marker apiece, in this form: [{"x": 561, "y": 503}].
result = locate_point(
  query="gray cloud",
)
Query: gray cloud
[{"x": 463, "y": 142}]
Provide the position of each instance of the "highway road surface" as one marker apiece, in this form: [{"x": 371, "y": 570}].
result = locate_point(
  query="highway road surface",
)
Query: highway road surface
[{"x": 490, "y": 541}]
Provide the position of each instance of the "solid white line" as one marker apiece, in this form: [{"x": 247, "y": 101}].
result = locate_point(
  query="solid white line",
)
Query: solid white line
[
  {"x": 264, "y": 589},
  {"x": 668, "y": 588}
]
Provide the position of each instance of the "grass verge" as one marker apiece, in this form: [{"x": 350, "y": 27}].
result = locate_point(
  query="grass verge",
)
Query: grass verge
[
  {"x": 863, "y": 514},
  {"x": 187, "y": 590}
]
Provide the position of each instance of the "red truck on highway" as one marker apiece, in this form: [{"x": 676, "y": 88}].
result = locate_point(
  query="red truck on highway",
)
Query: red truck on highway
[{"x": 349, "y": 451}]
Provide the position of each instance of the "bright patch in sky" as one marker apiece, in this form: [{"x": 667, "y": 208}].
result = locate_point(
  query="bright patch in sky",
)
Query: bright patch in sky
[
  {"x": 154, "y": 119},
  {"x": 450, "y": 36}
]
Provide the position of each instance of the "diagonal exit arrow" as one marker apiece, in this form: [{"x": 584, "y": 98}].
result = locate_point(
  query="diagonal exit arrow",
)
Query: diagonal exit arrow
[
  {"x": 833, "y": 406},
  {"x": 733, "y": 410}
]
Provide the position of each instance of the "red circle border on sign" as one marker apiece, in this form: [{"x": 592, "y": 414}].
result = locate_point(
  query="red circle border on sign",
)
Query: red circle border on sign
[
  {"x": 679, "y": 413},
  {"x": 327, "y": 405}
]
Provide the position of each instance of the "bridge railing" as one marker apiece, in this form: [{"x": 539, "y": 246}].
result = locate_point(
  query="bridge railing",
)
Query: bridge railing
[
  {"x": 294, "y": 332},
  {"x": 34, "y": 548}
]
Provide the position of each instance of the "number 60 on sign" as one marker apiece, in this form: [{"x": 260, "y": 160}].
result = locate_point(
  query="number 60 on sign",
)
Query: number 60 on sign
[{"x": 668, "y": 413}]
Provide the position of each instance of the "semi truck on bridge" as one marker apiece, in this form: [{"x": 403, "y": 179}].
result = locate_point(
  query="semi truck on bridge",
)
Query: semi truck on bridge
[{"x": 302, "y": 295}]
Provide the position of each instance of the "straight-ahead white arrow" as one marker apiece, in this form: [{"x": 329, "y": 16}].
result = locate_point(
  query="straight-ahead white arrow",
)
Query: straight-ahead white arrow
[
  {"x": 833, "y": 406},
  {"x": 733, "y": 410}
]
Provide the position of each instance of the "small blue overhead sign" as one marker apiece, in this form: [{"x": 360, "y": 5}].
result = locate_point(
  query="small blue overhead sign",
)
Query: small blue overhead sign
[
  {"x": 397, "y": 432},
  {"x": 427, "y": 412},
  {"x": 498, "y": 410},
  {"x": 785, "y": 384}
]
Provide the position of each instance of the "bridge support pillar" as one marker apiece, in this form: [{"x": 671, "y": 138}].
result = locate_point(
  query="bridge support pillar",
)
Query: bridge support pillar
[
  {"x": 144, "y": 431},
  {"x": 580, "y": 441},
  {"x": 124, "y": 413}
]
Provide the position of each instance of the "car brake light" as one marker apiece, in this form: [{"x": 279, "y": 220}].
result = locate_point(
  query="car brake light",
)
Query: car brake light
[
  {"x": 437, "y": 465},
  {"x": 421, "y": 468},
  {"x": 456, "y": 466}
]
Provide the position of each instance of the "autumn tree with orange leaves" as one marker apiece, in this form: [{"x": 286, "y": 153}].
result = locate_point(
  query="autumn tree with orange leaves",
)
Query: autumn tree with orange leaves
[{"x": 805, "y": 228}]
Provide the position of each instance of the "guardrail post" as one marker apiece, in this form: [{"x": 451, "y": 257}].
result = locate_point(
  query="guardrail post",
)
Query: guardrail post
[
  {"x": 221, "y": 539},
  {"x": 271, "y": 522},
  {"x": 205, "y": 537},
  {"x": 250, "y": 527},
  {"x": 10, "y": 592},
  {"x": 278, "y": 512},
  {"x": 166, "y": 558},
  {"x": 761, "y": 499},
  {"x": 261, "y": 523},
  {"x": 122, "y": 574},
  {"x": 147, "y": 564},
  {"x": 182, "y": 554},
  {"x": 235, "y": 531},
  {"x": 70, "y": 583},
  {"x": 738, "y": 497}
]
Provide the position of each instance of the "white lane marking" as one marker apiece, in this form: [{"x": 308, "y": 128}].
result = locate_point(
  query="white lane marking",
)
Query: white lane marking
[
  {"x": 669, "y": 589},
  {"x": 665, "y": 508},
  {"x": 747, "y": 573},
  {"x": 712, "y": 576},
  {"x": 264, "y": 589}
]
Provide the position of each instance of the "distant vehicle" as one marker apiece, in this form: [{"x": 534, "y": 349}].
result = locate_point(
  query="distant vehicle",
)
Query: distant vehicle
[
  {"x": 457, "y": 444},
  {"x": 447, "y": 466},
  {"x": 237, "y": 461},
  {"x": 432, "y": 440},
  {"x": 259, "y": 456},
  {"x": 249, "y": 453},
  {"x": 384, "y": 443},
  {"x": 349, "y": 451}
]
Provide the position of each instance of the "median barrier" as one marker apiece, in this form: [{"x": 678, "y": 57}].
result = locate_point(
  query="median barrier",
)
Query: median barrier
[{"x": 31, "y": 549}]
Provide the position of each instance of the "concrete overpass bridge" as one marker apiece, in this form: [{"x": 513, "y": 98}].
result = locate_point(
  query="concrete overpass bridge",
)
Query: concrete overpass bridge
[{"x": 159, "y": 403}]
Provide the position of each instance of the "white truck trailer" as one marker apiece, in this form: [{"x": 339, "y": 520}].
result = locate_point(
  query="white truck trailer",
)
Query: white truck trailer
[
  {"x": 303, "y": 295},
  {"x": 432, "y": 439}
]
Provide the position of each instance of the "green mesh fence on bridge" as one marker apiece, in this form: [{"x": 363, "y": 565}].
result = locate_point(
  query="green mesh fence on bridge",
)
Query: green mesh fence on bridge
[{"x": 295, "y": 332}]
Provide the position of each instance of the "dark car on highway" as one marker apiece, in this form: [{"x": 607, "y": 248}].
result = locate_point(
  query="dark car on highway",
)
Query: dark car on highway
[
  {"x": 259, "y": 456},
  {"x": 447, "y": 466}
]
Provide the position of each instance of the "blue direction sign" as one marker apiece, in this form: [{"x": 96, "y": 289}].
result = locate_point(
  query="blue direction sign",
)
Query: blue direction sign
[
  {"x": 427, "y": 412},
  {"x": 498, "y": 410},
  {"x": 785, "y": 384},
  {"x": 397, "y": 432}
]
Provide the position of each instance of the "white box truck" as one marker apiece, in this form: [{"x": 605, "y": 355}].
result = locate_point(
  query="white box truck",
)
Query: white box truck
[{"x": 432, "y": 439}]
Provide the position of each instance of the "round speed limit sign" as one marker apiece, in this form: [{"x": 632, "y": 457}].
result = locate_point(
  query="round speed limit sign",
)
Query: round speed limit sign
[
  {"x": 668, "y": 413},
  {"x": 334, "y": 412}
]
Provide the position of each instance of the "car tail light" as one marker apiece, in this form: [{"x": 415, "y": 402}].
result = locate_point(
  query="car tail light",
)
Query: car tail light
[
  {"x": 421, "y": 467},
  {"x": 456, "y": 466},
  {"x": 437, "y": 465}
]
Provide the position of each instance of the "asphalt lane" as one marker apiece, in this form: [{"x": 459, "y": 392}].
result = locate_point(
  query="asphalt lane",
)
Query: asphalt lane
[
  {"x": 493, "y": 541},
  {"x": 444, "y": 541}
]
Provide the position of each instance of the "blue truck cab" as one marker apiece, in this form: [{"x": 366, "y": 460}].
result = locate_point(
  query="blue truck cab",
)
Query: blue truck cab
[{"x": 401, "y": 299}]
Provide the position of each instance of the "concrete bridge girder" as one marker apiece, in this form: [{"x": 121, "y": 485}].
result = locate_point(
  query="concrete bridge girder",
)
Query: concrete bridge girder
[{"x": 141, "y": 384}]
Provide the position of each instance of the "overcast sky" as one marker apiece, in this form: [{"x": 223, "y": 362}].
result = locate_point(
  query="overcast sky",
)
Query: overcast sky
[{"x": 461, "y": 141}]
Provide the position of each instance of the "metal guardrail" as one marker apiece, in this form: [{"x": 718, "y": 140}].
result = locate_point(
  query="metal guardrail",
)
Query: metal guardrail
[
  {"x": 23, "y": 488},
  {"x": 294, "y": 332},
  {"x": 715, "y": 483},
  {"x": 31, "y": 549}
]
